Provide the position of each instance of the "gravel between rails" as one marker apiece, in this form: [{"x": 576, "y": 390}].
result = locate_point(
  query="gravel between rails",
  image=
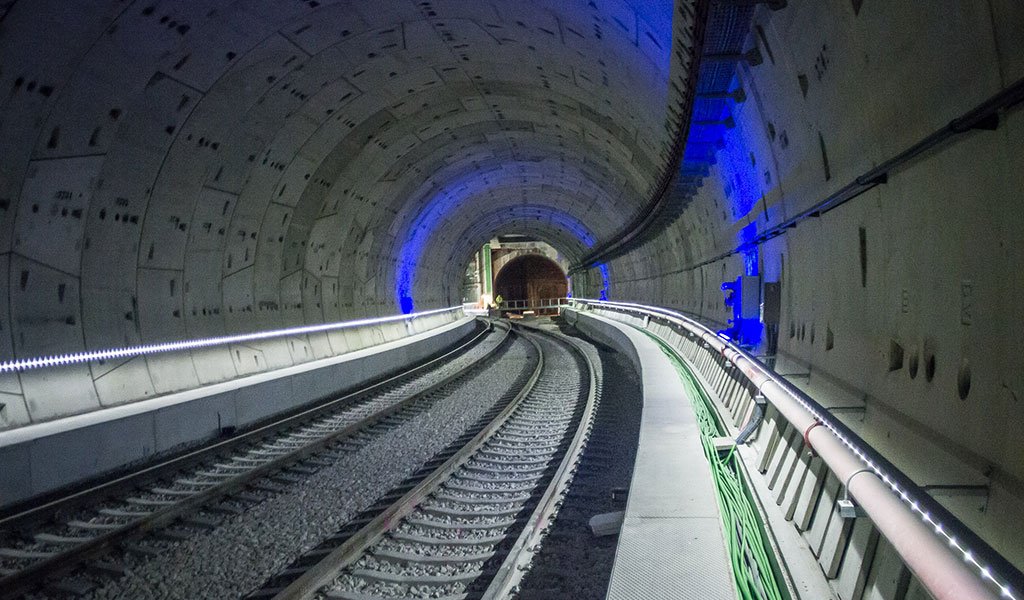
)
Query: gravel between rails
[
  {"x": 120, "y": 511},
  {"x": 244, "y": 550},
  {"x": 429, "y": 569},
  {"x": 572, "y": 564}
]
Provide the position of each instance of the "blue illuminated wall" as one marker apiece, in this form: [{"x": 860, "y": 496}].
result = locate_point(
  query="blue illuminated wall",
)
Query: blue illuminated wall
[
  {"x": 715, "y": 140},
  {"x": 603, "y": 268},
  {"x": 747, "y": 237},
  {"x": 446, "y": 203},
  {"x": 652, "y": 27}
]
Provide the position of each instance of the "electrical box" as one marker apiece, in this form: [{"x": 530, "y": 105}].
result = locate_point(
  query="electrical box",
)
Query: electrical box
[
  {"x": 743, "y": 295},
  {"x": 750, "y": 297},
  {"x": 848, "y": 509},
  {"x": 771, "y": 305}
]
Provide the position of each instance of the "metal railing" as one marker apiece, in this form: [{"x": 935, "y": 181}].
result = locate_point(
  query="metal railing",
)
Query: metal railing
[
  {"x": 949, "y": 560},
  {"x": 539, "y": 304}
]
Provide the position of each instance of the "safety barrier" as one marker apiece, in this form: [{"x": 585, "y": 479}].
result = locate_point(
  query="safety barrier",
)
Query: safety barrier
[
  {"x": 540, "y": 304},
  {"x": 408, "y": 323},
  {"x": 825, "y": 477}
]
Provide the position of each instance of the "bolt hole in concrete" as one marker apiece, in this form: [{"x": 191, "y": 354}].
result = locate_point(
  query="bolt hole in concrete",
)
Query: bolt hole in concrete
[
  {"x": 929, "y": 365},
  {"x": 895, "y": 356},
  {"x": 912, "y": 365},
  {"x": 963, "y": 380}
]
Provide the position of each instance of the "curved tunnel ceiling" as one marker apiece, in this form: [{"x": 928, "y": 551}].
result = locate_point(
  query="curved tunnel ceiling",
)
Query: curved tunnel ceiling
[
  {"x": 551, "y": 225},
  {"x": 219, "y": 166},
  {"x": 173, "y": 170}
]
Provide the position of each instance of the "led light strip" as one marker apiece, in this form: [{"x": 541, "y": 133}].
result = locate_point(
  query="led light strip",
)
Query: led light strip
[
  {"x": 968, "y": 556},
  {"x": 133, "y": 351}
]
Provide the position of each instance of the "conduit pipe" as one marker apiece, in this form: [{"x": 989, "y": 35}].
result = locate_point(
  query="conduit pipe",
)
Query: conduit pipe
[
  {"x": 944, "y": 574},
  {"x": 984, "y": 116},
  {"x": 946, "y": 570}
]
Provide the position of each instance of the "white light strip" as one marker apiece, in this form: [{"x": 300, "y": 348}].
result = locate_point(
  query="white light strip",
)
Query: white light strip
[
  {"x": 984, "y": 572},
  {"x": 133, "y": 351}
]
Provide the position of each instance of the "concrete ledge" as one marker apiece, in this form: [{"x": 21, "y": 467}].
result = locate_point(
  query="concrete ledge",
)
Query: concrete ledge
[
  {"x": 37, "y": 459},
  {"x": 671, "y": 544}
]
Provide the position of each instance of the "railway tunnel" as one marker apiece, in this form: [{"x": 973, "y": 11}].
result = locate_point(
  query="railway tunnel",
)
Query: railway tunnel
[
  {"x": 532, "y": 278},
  {"x": 788, "y": 232}
]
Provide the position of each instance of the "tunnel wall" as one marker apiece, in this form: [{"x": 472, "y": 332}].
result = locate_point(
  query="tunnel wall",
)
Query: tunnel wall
[
  {"x": 51, "y": 393},
  {"x": 509, "y": 252},
  {"x": 38, "y": 459},
  {"x": 178, "y": 170},
  {"x": 928, "y": 264},
  {"x": 531, "y": 277}
]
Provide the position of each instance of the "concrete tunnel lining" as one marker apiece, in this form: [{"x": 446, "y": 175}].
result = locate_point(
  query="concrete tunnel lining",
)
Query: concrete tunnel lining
[
  {"x": 254, "y": 167},
  {"x": 224, "y": 173}
]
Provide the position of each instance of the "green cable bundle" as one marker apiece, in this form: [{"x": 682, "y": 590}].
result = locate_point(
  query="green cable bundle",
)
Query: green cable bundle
[{"x": 748, "y": 552}]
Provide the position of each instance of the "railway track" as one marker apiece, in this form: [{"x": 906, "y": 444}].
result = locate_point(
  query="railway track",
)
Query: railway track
[
  {"x": 41, "y": 545},
  {"x": 469, "y": 527}
]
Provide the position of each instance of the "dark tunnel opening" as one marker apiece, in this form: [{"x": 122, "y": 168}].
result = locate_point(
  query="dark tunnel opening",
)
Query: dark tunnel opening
[{"x": 533, "y": 278}]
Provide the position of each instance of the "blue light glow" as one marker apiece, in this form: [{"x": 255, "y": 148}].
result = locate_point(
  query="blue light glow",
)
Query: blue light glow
[
  {"x": 422, "y": 229},
  {"x": 746, "y": 236},
  {"x": 652, "y": 31},
  {"x": 739, "y": 175},
  {"x": 449, "y": 200},
  {"x": 713, "y": 141},
  {"x": 604, "y": 280}
]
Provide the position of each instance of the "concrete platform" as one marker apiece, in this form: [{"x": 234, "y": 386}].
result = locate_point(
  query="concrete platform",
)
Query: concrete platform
[
  {"x": 37, "y": 459},
  {"x": 671, "y": 545}
]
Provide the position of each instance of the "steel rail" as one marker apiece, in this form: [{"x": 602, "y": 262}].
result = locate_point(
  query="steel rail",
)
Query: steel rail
[
  {"x": 189, "y": 458},
  {"x": 63, "y": 562},
  {"x": 326, "y": 570},
  {"x": 947, "y": 569},
  {"x": 509, "y": 575}
]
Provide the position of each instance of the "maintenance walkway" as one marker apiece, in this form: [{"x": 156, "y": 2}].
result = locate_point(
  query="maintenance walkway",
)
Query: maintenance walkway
[{"x": 671, "y": 544}]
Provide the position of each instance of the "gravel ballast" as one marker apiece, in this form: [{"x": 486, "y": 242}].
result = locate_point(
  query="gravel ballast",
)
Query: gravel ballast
[
  {"x": 236, "y": 557},
  {"x": 572, "y": 563},
  {"x": 431, "y": 570}
]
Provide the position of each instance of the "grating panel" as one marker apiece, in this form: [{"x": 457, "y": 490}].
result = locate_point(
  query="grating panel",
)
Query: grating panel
[
  {"x": 671, "y": 543},
  {"x": 671, "y": 559}
]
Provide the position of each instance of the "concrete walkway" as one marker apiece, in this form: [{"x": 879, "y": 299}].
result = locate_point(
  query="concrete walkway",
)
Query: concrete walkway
[{"x": 671, "y": 544}]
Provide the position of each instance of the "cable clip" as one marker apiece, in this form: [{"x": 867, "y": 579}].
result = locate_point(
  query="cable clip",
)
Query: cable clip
[
  {"x": 759, "y": 398},
  {"x": 848, "y": 509},
  {"x": 807, "y": 440}
]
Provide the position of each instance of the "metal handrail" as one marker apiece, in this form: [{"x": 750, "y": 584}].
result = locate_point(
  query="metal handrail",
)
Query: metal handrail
[
  {"x": 923, "y": 533},
  {"x": 541, "y": 303}
]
